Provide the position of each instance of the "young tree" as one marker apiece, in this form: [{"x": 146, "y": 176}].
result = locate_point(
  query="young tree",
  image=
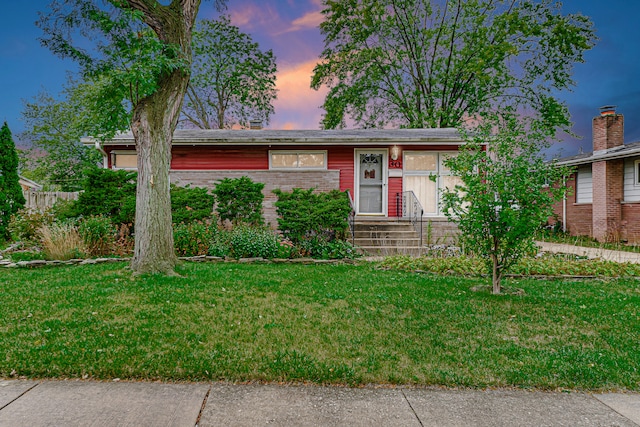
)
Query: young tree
[
  {"x": 506, "y": 191},
  {"x": 232, "y": 80},
  {"x": 55, "y": 127},
  {"x": 139, "y": 66},
  {"x": 11, "y": 197},
  {"x": 426, "y": 64}
]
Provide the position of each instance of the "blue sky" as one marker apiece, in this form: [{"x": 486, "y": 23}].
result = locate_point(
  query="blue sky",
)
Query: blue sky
[{"x": 609, "y": 76}]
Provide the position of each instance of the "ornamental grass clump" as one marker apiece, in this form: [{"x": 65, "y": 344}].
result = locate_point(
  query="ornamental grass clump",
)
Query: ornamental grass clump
[{"x": 61, "y": 242}]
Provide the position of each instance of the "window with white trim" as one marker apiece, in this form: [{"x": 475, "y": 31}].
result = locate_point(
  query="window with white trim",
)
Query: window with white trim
[
  {"x": 124, "y": 159},
  {"x": 279, "y": 159},
  {"x": 419, "y": 167},
  {"x": 636, "y": 168}
]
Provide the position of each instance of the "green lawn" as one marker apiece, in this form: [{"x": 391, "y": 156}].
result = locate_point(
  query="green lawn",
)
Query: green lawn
[{"x": 319, "y": 323}]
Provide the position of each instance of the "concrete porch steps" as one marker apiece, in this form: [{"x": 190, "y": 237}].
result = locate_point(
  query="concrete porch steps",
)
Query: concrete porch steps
[{"x": 391, "y": 236}]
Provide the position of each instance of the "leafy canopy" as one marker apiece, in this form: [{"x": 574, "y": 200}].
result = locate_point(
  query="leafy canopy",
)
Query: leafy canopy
[
  {"x": 426, "y": 64},
  {"x": 120, "y": 57},
  {"x": 232, "y": 80},
  {"x": 55, "y": 127},
  {"x": 506, "y": 192}
]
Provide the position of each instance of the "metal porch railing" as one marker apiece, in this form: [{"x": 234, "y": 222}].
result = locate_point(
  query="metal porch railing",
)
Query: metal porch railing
[{"x": 408, "y": 207}]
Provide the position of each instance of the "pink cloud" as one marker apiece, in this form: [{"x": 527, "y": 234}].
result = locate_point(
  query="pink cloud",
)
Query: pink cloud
[
  {"x": 251, "y": 16},
  {"x": 297, "y": 106}
]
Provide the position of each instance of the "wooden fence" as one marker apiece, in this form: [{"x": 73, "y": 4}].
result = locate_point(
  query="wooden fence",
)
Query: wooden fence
[{"x": 42, "y": 200}]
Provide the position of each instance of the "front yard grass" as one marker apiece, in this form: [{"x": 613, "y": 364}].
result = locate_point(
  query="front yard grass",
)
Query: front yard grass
[{"x": 338, "y": 324}]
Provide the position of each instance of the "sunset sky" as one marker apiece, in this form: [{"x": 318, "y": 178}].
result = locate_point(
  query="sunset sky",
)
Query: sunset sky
[{"x": 610, "y": 75}]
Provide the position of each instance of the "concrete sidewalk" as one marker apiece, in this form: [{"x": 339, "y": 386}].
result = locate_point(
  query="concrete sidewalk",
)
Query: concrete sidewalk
[
  {"x": 84, "y": 403},
  {"x": 591, "y": 253}
]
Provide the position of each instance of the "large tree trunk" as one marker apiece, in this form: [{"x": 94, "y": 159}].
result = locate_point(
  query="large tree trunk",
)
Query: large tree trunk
[
  {"x": 153, "y": 125},
  {"x": 153, "y": 122}
]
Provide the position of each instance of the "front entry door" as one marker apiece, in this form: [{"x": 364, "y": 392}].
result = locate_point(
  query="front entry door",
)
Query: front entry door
[{"x": 371, "y": 174}]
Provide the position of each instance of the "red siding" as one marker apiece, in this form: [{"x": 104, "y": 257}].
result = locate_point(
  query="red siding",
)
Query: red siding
[
  {"x": 209, "y": 158},
  {"x": 341, "y": 158},
  {"x": 395, "y": 187}
]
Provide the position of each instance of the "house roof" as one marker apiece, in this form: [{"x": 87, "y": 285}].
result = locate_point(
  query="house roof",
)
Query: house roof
[
  {"x": 620, "y": 152},
  {"x": 26, "y": 182},
  {"x": 297, "y": 137}
]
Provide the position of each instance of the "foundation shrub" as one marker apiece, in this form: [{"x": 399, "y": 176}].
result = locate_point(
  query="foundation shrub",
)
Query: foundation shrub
[
  {"x": 239, "y": 200},
  {"x": 308, "y": 215},
  {"x": 109, "y": 193},
  {"x": 189, "y": 204}
]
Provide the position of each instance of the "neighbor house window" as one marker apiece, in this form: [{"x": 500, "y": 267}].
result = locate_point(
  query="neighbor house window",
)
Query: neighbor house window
[
  {"x": 125, "y": 159},
  {"x": 636, "y": 168},
  {"x": 297, "y": 159},
  {"x": 584, "y": 184}
]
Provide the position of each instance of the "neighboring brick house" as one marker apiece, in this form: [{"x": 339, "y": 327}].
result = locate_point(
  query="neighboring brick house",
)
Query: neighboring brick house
[
  {"x": 605, "y": 199},
  {"x": 375, "y": 165}
]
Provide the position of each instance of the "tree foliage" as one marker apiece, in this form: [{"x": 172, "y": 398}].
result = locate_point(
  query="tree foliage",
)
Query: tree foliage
[
  {"x": 137, "y": 55},
  {"x": 55, "y": 127},
  {"x": 426, "y": 64},
  {"x": 11, "y": 197},
  {"x": 232, "y": 80},
  {"x": 507, "y": 190}
]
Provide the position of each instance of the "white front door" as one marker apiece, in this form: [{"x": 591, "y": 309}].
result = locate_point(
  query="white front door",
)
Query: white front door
[{"x": 371, "y": 182}]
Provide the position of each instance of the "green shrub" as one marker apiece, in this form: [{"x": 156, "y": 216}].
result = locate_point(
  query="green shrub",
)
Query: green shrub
[
  {"x": 191, "y": 204},
  {"x": 220, "y": 246},
  {"x": 335, "y": 249},
  {"x": 98, "y": 234},
  {"x": 250, "y": 242},
  {"x": 110, "y": 193},
  {"x": 305, "y": 214},
  {"x": 24, "y": 225},
  {"x": 193, "y": 238},
  {"x": 11, "y": 197},
  {"x": 239, "y": 200}
]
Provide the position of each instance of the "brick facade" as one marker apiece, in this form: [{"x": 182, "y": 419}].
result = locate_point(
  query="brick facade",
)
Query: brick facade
[
  {"x": 325, "y": 180},
  {"x": 579, "y": 220},
  {"x": 630, "y": 224},
  {"x": 608, "y": 180}
]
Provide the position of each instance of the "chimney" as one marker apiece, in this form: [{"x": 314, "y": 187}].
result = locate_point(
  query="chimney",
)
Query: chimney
[
  {"x": 255, "y": 124},
  {"x": 607, "y": 176},
  {"x": 608, "y": 129}
]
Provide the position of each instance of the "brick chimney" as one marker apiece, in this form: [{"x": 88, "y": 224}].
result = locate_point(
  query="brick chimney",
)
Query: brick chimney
[
  {"x": 607, "y": 175},
  {"x": 608, "y": 129}
]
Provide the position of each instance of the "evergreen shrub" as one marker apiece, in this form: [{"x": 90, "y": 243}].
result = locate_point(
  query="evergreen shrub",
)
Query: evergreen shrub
[
  {"x": 239, "y": 200},
  {"x": 11, "y": 197},
  {"x": 306, "y": 214},
  {"x": 189, "y": 204}
]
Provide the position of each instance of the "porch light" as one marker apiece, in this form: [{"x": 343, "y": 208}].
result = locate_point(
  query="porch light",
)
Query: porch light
[{"x": 395, "y": 152}]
